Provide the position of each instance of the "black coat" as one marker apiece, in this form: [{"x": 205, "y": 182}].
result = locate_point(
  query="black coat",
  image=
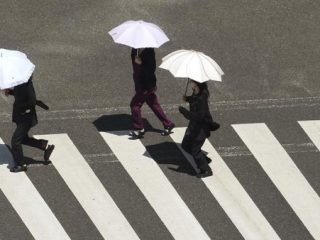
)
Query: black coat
[
  {"x": 24, "y": 105},
  {"x": 144, "y": 73},
  {"x": 199, "y": 116}
]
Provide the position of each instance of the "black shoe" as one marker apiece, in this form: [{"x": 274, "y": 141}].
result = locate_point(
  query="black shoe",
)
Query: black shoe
[
  {"x": 209, "y": 160},
  {"x": 18, "y": 168},
  {"x": 204, "y": 173},
  {"x": 167, "y": 130},
  {"x": 135, "y": 134},
  {"x": 47, "y": 152}
]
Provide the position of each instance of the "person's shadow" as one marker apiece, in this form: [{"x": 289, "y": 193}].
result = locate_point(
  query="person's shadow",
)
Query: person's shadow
[
  {"x": 120, "y": 122},
  {"x": 163, "y": 153},
  {"x": 5, "y": 156},
  {"x": 30, "y": 161},
  {"x": 169, "y": 154}
]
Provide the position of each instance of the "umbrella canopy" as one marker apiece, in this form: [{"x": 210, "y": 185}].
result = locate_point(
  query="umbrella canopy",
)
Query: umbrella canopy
[
  {"x": 192, "y": 64},
  {"x": 139, "y": 34},
  {"x": 15, "y": 68}
]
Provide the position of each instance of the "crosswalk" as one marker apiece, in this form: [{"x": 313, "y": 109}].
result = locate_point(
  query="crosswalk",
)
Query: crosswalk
[
  {"x": 162, "y": 193},
  {"x": 28, "y": 203}
]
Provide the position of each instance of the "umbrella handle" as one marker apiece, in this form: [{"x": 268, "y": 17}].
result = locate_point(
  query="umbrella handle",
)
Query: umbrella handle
[{"x": 185, "y": 93}]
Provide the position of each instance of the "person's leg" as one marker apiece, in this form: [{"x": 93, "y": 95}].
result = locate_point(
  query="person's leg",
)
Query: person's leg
[
  {"x": 153, "y": 103},
  {"x": 186, "y": 142},
  {"x": 200, "y": 157},
  {"x": 41, "y": 144},
  {"x": 18, "y": 136},
  {"x": 135, "y": 105},
  {"x": 36, "y": 143}
]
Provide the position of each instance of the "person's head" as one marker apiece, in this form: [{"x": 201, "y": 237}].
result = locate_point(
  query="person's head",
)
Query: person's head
[{"x": 198, "y": 88}]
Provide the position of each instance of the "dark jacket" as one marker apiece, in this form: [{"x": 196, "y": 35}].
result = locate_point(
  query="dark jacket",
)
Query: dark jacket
[
  {"x": 144, "y": 73},
  {"x": 24, "y": 104},
  {"x": 199, "y": 116}
]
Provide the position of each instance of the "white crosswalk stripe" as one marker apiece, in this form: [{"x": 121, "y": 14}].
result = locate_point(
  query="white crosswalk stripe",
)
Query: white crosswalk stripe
[
  {"x": 160, "y": 193},
  {"x": 155, "y": 186},
  {"x": 283, "y": 172},
  {"x": 312, "y": 128},
  {"x": 87, "y": 188},
  {"x": 225, "y": 187},
  {"x": 27, "y": 201}
]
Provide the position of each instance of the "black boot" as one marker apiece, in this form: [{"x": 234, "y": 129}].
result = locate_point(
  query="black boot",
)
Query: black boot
[
  {"x": 47, "y": 152},
  {"x": 204, "y": 173},
  {"x": 167, "y": 130},
  {"x": 136, "y": 134},
  {"x": 18, "y": 168},
  {"x": 209, "y": 160}
]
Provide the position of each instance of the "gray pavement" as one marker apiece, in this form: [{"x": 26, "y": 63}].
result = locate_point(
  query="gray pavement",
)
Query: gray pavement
[{"x": 269, "y": 51}]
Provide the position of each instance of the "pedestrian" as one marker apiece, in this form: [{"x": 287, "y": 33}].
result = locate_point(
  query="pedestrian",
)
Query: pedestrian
[
  {"x": 199, "y": 127},
  {"x": 25, "y": 117},
  {"x": 145, "y": 82}
]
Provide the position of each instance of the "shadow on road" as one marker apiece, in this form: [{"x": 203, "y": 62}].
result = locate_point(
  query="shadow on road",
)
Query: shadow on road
[
  {"x": 167, "y": 153},
  {"x": 30, "y": 161},
  {"x": 5, "y": 156},
  {"x": 119, "y": 122}
]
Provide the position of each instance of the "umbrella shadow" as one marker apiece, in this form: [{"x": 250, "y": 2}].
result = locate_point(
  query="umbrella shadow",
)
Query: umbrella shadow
[
  {"x": 120, "y": 122},
  {"x": 167, "y": 153}
]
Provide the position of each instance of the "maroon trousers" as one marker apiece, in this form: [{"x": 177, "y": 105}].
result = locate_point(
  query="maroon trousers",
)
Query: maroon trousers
[{"x": 152, "y": 100}]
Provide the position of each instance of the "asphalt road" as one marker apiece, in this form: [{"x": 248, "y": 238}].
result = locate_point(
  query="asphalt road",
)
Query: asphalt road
[{"x": 269, "y": 51}]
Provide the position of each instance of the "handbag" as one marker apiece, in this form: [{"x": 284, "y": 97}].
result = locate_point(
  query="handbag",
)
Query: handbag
[{"x": 213, "y": 126}]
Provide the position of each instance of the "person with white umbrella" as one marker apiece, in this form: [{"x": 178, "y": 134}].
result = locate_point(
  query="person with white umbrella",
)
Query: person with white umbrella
[
  {"x": 16, "y": 80},
  {"x": 199, "y": 68},
  {"x": 199, "y": 127},
  {"x": 143, "y": 37},
  {"x": 144, "y": 66},
  {"x": 25, "y": 117}
]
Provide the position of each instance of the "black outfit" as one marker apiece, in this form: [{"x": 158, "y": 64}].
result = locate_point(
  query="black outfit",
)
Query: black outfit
[
  {"x": 24, "y": 115},
  {"x": 199, "y": 127}
]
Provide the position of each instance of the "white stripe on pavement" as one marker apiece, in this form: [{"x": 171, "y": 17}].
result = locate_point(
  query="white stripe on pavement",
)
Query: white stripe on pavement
[
  {"x": 312, "y": 129},
  {"x": 284, "y": 173},
  {"x": 230, "y": 194},
  {"x": 27, "y": 201},
  {"x": 88, "y": 190},
  {"x": 157, "y": 189}
]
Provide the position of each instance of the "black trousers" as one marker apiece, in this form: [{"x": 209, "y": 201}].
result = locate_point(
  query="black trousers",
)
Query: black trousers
[
  {"x": 19, "y": 137},
  {"x": 192, "y": 145}
]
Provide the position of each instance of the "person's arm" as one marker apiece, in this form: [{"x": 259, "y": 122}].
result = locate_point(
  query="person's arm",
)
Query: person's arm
[
  {"x": 186, "y": 98},
  {"x": 8, "y": 91},
  {"x": 199, "y": 115}
]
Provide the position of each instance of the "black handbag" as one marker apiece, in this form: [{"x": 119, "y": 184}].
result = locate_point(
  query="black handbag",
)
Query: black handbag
[{"x": 213, "y": 126}]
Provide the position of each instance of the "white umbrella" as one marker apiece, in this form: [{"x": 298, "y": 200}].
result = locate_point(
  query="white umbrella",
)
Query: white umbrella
[
  {"x": 192, "y": 64},
  {"x": 15, "y": 68},
  {"x": 139, "y": 34}
]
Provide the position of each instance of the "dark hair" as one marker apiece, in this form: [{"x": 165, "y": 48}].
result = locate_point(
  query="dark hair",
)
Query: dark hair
[{"x": 203, "y": 87}]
